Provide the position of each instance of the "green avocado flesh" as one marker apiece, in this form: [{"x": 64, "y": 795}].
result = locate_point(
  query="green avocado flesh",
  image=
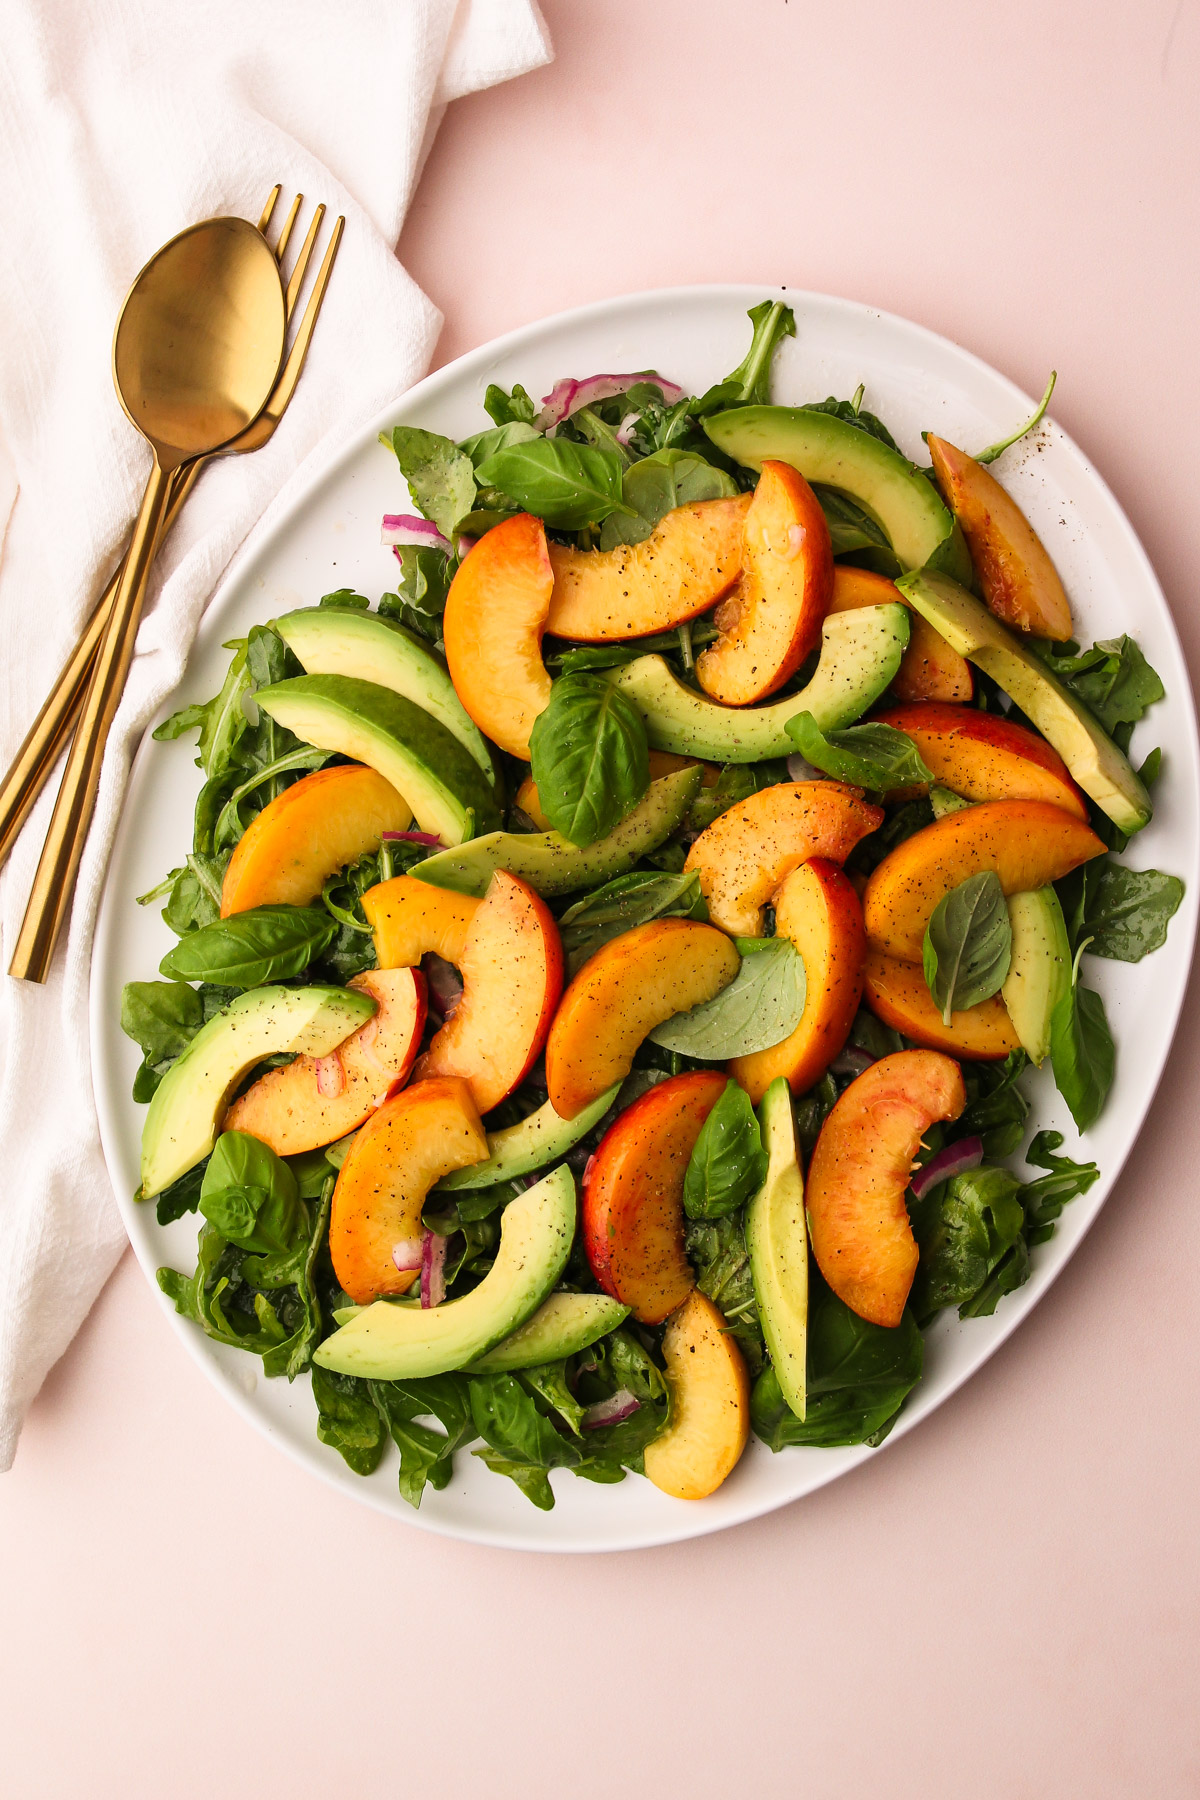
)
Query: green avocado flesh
[
  {"x": 333, "y": 640},
  {"x": 1103, "y": 772},
  {"x": 777, "y": 1239},
  {"x": 389, "y": 1342},
  {"x": 186, "y": 1109},
  {"x": 860, "y": 653},
  {"x": 1039, "y": 969},
  {"x": 550, "y": 863},
  {"x": 529, "y": 1145},
  {"x": 445, "y": 786},
  {"x": 561, "y": 1325},
  {"x": 920, "y": 527}
]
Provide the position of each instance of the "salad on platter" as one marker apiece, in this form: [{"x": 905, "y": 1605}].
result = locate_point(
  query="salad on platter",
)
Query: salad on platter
[{"x": 608, "y": 964}]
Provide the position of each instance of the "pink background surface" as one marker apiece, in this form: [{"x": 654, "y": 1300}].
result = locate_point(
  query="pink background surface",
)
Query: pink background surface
[{"x": 1005, "y": 1604}]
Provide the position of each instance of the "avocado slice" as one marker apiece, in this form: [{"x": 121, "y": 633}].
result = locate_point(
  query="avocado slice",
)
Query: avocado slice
[
  {"x": 334, "y": 640},
  {"x": 1103, "y": 772},
  {"x": 388, "y": 1342},
  {"x": 777, "y": 1239},
  {"x": 561, "y": 1325},
  {"x": 1039, "y": 969},
  {"x": 442, "y": 782},
  {"x": 529, "y": 1145},
  {"x": 945, "y": 801},
  {"x": 860, "y": 653},
  {"x": 919, "y": 525},
  {"x": 188, "y": 1104},
  {"x": 550, "y": 863}
]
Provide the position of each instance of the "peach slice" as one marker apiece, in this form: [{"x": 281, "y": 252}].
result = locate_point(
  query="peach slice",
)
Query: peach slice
[
  {"x": 710, "y": 1403},
  {"x": 983, "y": 756},
  {"x": 319, "y": 824},
  {"x": 930, "y": 668},
  {"x": 413, "y": 1140},
  {"x": 820, "y": 912},
  {"x": 1028, "y": 843},
  {"x": 633, "y": 983},
  {"x": 1019, "y": 582},
  {"x": 411, "y": 917},
  {"x": 632, "y": 1211},
  {"x": 493, "y": 623},
  {"x": 318, "y": 1099},
  {"x": 860, "y": 1168},
  {"x": 662, "y": 762},
  {"x": 511, "y": 963},
  {"x": 742, "y": 857},
  {"x": 773, "y": 616},
  {"x": 691, "y": 558},
  {"x": 896, "y": 992}
]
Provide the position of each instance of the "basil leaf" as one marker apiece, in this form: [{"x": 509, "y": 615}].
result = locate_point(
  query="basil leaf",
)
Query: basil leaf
[
  {"x": 655, "y": 486},
  {"x": 250, "y": 1195},
  {"x": 486, "y": 443},
  {"x": 1113, "y": 678},
  {"x": 871, "y": 756},
  {"x": 1045, "y": 1198},
  {"x": 968, "y": 944},
  {"x": 162, "y": 1017},
  {"x": 568, "y": 485},
  {"x": 267, "y": 943},
  {"x": 439, "y": 475},
  {"x": 621, "y": 904},
  {"x": 589, "y": 757},
  {"x": 345, "y": 600},
  {"x": 522, "y": 1443},
  {"x": 504, "y": 408},
  {"x": 761, "y": 1006},
  {"x": 348, "y": 1419},
  {"x": 1123, "y": 912},
  {"x": 964, "y": 1228},
  {"x": 1082, "y": 1053},
  {"x": 716, "y": 1249},
  {"x": 728, "y": 1162}
]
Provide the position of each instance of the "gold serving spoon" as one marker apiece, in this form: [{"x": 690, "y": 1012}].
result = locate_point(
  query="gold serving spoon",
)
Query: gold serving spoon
[{"x": 196, "y": 354}]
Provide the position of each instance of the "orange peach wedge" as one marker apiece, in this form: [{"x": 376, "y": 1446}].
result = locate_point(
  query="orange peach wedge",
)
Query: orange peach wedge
[
  {"x": 493, "y": 623},
  {"x": 410, "y": 1144},
  {"x": 773, "y": 616},
  {"x": 511, "y": 964},
  {"x": 896, "y": 992},
  {"x": 633, "y": 983},
  {"x": 632, "y": 1209},
  {"x": 710, "y": 1403},
  {"x": 319, "y": 824},
  {"x": 691, "y": 558},
  {"x": 930, "y": 669},
  {"x": 983, "y": 756},
  {"x": 412, "y": 918},
  {"x": 318, "y": 1099},
  {"x": 860, "y": 1168},
  {"x": 742, "y": 857},
  {"x": 820, "y": 912}
]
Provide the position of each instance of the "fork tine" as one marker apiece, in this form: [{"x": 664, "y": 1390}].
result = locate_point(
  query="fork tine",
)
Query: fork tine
[
  {"x": 288, "y": 226},
  {"x": 269, "y": 208},
  {"x": 294, "y": 366},
  {"x": 296, "y": 280}
]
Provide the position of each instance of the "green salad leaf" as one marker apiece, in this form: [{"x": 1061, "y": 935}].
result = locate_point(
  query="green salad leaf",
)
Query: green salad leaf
[
  {"x": 851, "y": 529},
  {"x": 521, "y": 1441},
  {"x": 654, "y": 486},
  {"x": 426, "y": 1455},
  {"x": 250, "y": 1195},
  {"x": 873, "y": 756},
  {"x": 569, "y": 485},
  {"x": 858, "y": 1377},
  {"x": 162, "y": 1017},
  {"x": 439, "y": 475},
  {"x": 589, "y": 757},
  {"x": 1082, "y": 1053},
  {"x": 761, "y": 1006},
  {"x": 1123, "y": 913},
  {"x": 996, "y": 1107},
  {"x": 965, "y": 1228},
  {"x": 968, "y": 944},
  {"x": 1113, "y": 678},
  {"x": 716, "y": 1249},
  {"x": 728, "y": 1162},
  {"x": 851, "y": 412},
  {"x": 621, "y": 904},
  {"x": 248, "y": 949},
  {"x": 1044, "y": 1198},
  {"x": 749, "y": 384},
  {"x": 503, "y": 408},
  {"x": 348, "y": 1419}
]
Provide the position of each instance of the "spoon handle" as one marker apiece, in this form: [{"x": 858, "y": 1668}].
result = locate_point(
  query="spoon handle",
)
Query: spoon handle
[{"x": 55, "y": 878}]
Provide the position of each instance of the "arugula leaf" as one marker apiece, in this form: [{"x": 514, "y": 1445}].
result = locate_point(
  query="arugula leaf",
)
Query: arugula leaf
[
  {"x": 1082, "y": 1053},
  {"x": 162, "y": 1017},
  {"x": 749, "y": 384},
  {"x": 506, "y": 408},
  {"x": 1045, "y": 1198},
  {"x": 426, "y": 1456},
  {"x": 619, "y": 905},
  {"x": 761, "y": 1005},
  {"x": 522, "y": 1443},
  {"x": 1113, "y": 678},
  {"x": 569, "y": 485},
  {"x": 230, "y": 825},
  {"x": 1123, "y": 912},
  {"x": 968, "y": 944},
  {"x": 589, "y": 757},
  {"x": 345, "y": 600},
  {"x": 871, "y": 756},
  {"x": 348, "y": 1419},
  {"x": 964, "y": 1228},
  {"x": 439, "y": 474},
  {"x": 250, "y": 1195},
  {"x": 248, "y": 949},
  {"x": 996, "y": 1108},
  {"x": 728, "y": 1162},
  {"x": 548, "y": 1382},
  {"x": 657, "y": 484},
  {"x": 717, "y": 1251},
  {"x": 850, "y": 413},
  {"x": 858, "y": 1377},
  {"x": 994, "y": 450},
  {"x": 220, "y": 721}
]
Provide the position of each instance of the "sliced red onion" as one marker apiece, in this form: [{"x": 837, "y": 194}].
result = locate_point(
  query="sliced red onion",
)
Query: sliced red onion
[
  {"x": 331, "y": 1076},
  {"x": 587, "y": 1170},
  {"x": 406, "y": 528},
  {"x": 445, "y": 983},
  {"x": 433, "y": 1269},
  {"x": 618, "y": 1406},
  {"x": 407, "y": 1254},
  {"x": 955, "y": 1159},
  {"x": 429, "y": 838},
  {"x": 466, "y": 543},
  {"x": 800, "y": 770},
  {"x": 624, "y": 432},
  {"x": 851, "y": 1060},
  {"x": 567, "y": 396}
]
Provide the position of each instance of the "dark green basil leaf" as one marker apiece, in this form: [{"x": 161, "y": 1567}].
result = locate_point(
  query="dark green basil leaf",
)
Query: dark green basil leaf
[
  {"x": 1123, "y": 912},
  {"x": 439, "y": 474},
  {"x": 568, "y": 485},
  {"x": 761, "y": 1005},
  {"x": 549, "y": 1383},
  {"x": 486, "y": 443},
  {"x": 655, "y": 486},
  {"x": 619, "y": 905},
  {"x": 1082, "y": 1052},
  {"x": 871, "y": 756},
  {"x": 1113, "y": 678},
  {"x": 250, "y": 1195},
  {"x": 162, "y": 1017},
  {"x": 964, "y": 1228},
  {"x": 348, "y": 1419},
  {"x": 504, "y": 408},
  {"x": 968, "y": 944},
  {"x": 858, "y": 1378},
  {"x": 728, "y": 1162},
  {"x": 268, "y": 943},
  {"x": 345, "y": 600},
  {"x": 522, "y": 1443},
  {"x": 1045, "y": 1198},
  {"x": 589, "y": 757}
]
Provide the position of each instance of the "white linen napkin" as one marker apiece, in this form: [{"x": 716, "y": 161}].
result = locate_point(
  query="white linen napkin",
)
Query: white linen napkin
[{"x": 120, "y": 124}]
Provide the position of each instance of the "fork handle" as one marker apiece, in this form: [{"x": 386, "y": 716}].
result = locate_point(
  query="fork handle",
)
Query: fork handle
[
  {"x": 56, "y": 872},
  {"x": 31, "y": 766}
]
